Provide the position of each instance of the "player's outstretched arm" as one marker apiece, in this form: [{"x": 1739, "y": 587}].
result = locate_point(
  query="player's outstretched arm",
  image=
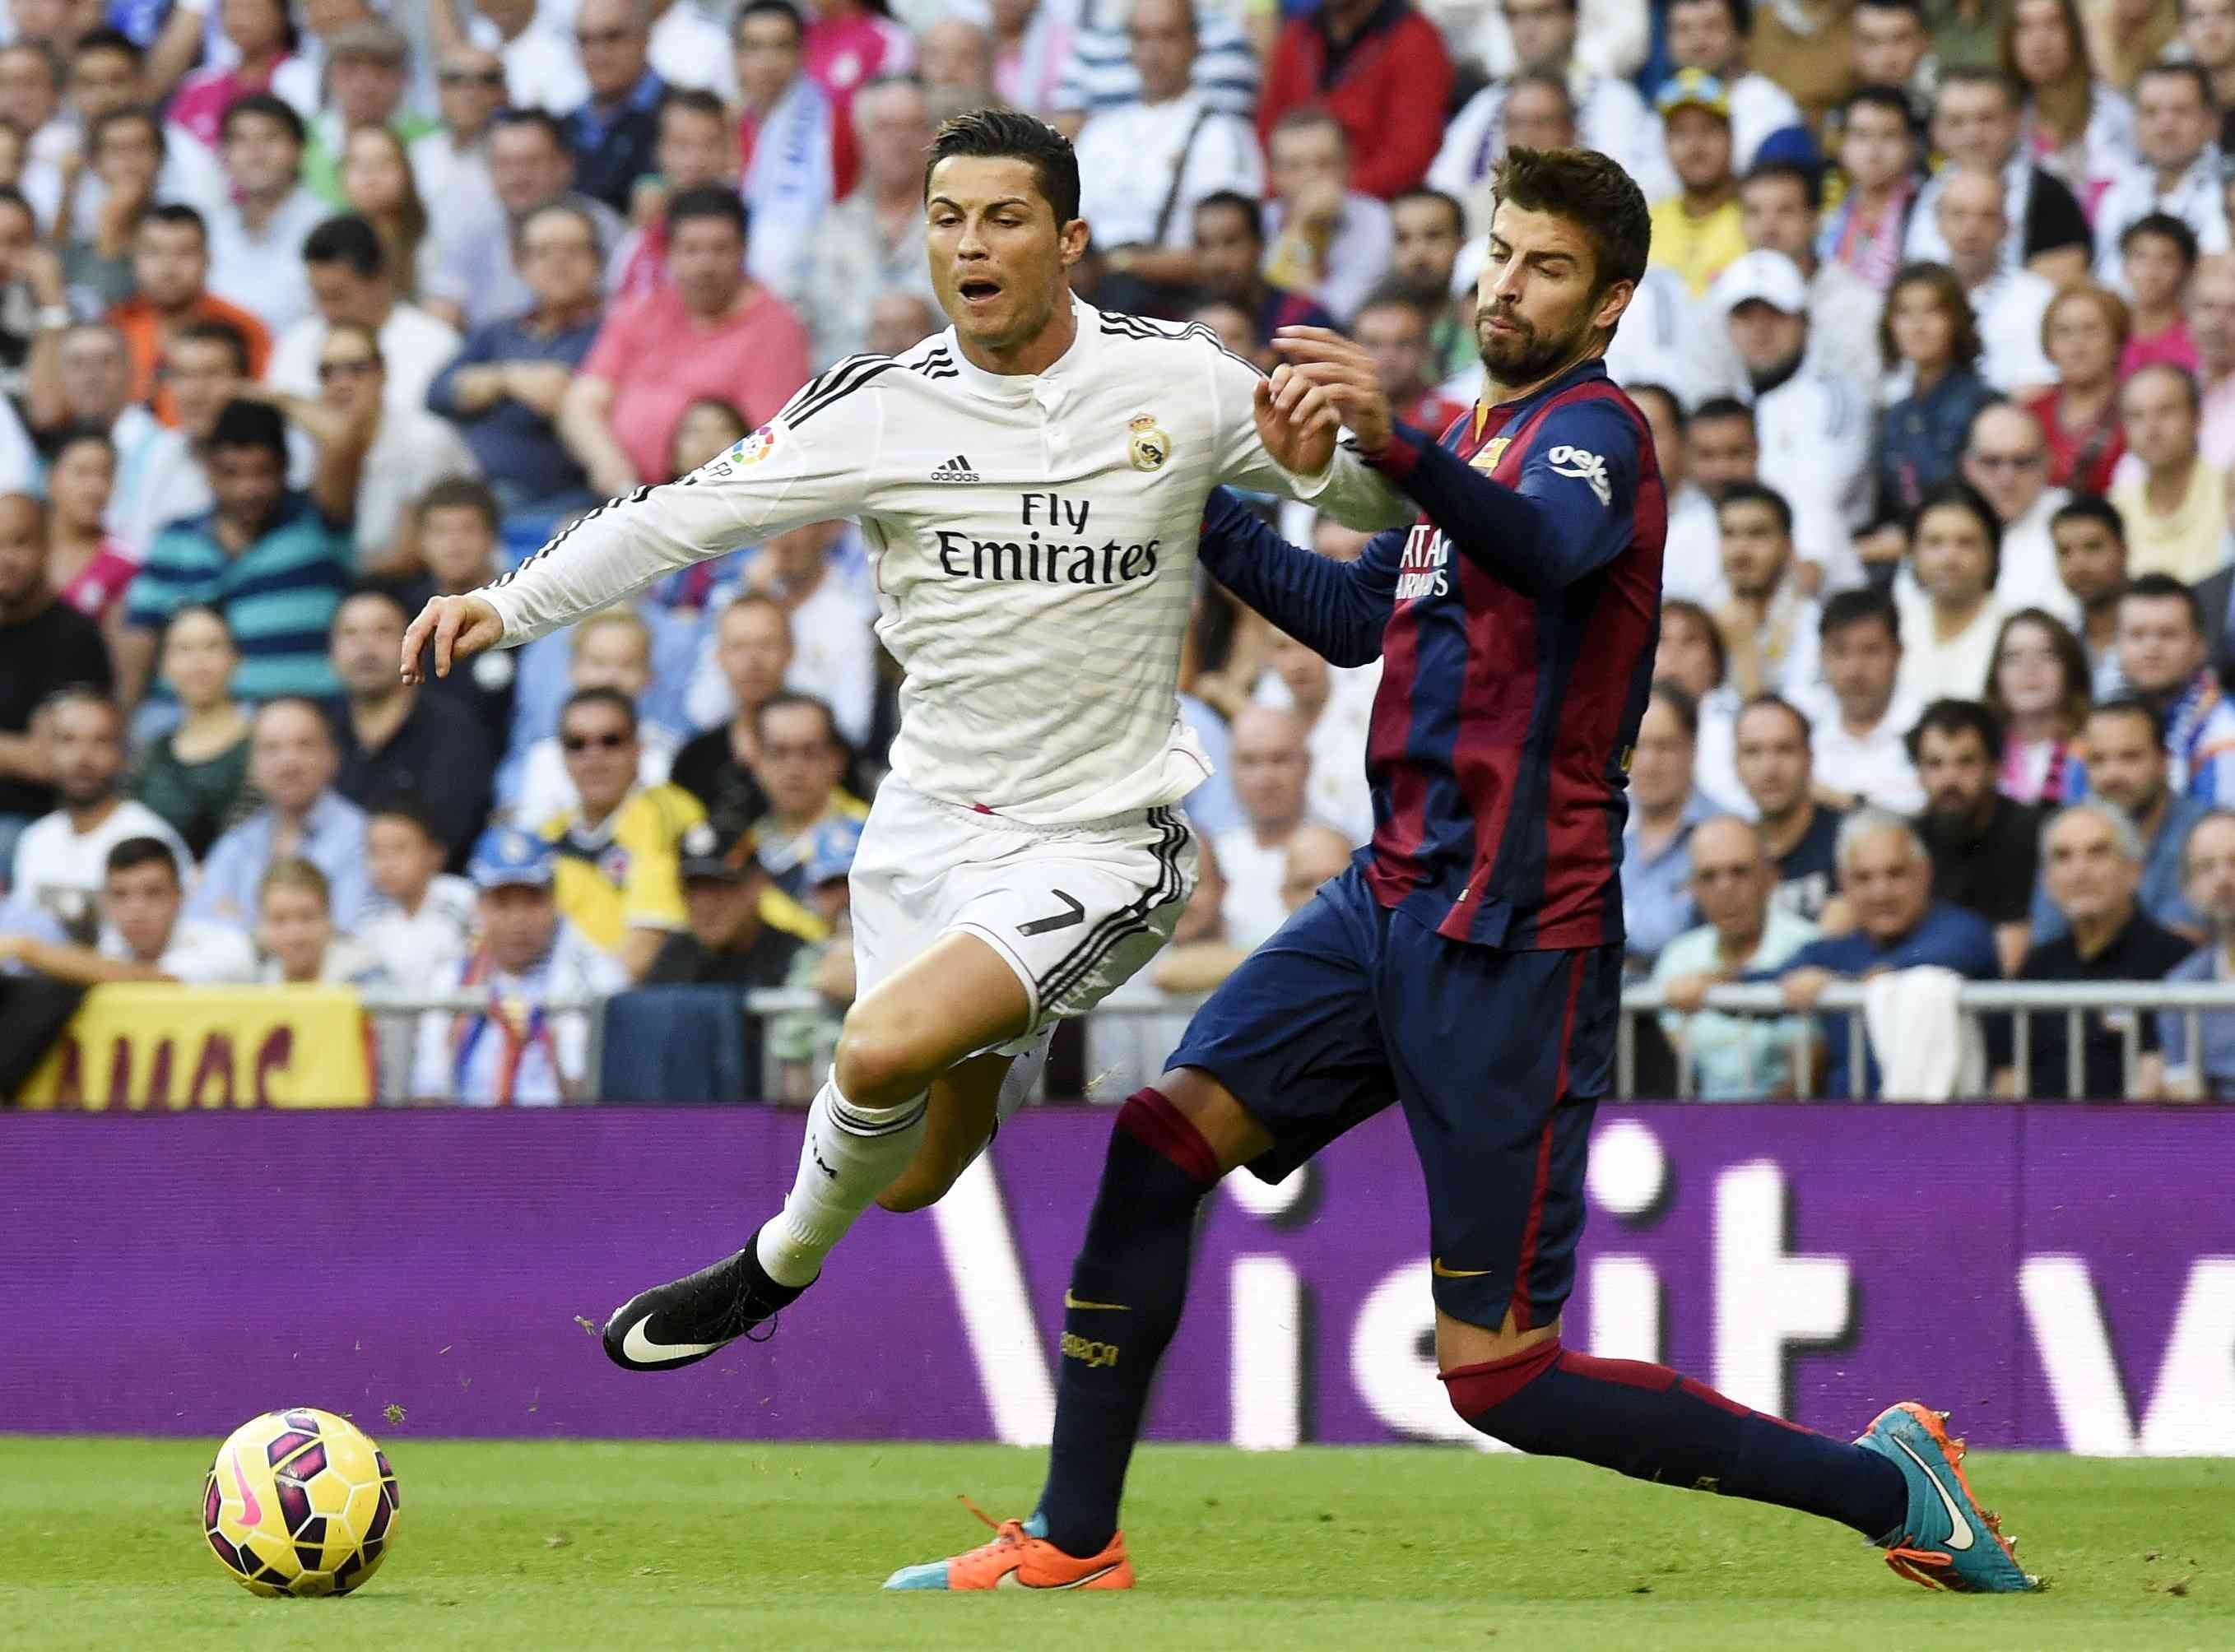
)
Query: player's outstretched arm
[
  {"x": 816, "y": 460},
  {"x": 1337, "y": 609}
]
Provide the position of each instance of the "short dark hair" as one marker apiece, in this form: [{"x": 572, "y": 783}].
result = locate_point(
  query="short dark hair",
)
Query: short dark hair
[
  {"x": 79, "y": 430},
  {"x": 1011, "y": 135},
  {"x": 1810, "y": 184},
  {"x": 2185, "y": 69},
  {"x": 107, "y": 39},
  {"x": 1844, "y": 610},
  {"x": 1954, "y": 717},
  {"x": 350, "y": 241},
  {"x": 708, "y": 200},
  {"x": 2164, "y": 225},
  {"x": 2092, "y": 507},
  {"x": 2128, "y": 705},
  {"x": 1592, "y": 192},
  {"x": 1722, "y": 407},
  {"x": 1963, "y": 496},
  {"x": 1448, "y": 201},
  {"x": 210, "y": 610},
  {"x": 695, "y": 100},
  {"x": 1891, "y": 99},
  {"x": 1645, "y": 387},
  {"x": 213, "y": 332},
  {"x": 129, "y": 112},
  {"x": 1741, "y": 13},
  {"x": 42, "y": 49},
  {"x": 1780, "y": 703},
  {"x": 83, "y": 694},
  {"x": 243, "y": 423},
  {"x": 1755, "y": 493},
  {"x": 176, "y": 214},
  {"x": 136, "y": 852},
  {"x": 1229, "y": 200},
  {"x": 2163, "y": 587},
  {"x": 782, "y": 8},
  {"x": 1980, "y": 75},
  {"x": 372, "y": 592},
  {"x": 1390, "y": 296},
  {"x": 269, "y": 108},
  {"x": 1914, "y": 8},
  {"x": 1686, "y": 709},
  {"x": 541, "y": 119},
  {"x": 790, "y": 700},
  {"x": 611, "y": 697},
  {"x": 401, "y": 805},
  {"x": 460, "y": 493}
]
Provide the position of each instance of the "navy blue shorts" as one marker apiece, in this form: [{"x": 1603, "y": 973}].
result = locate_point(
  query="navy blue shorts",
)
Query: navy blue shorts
[{"x": 1498, "y": 1058}]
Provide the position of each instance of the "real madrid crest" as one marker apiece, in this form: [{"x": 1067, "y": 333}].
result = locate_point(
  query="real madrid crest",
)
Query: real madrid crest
[{"x": 1148, "y": 446}]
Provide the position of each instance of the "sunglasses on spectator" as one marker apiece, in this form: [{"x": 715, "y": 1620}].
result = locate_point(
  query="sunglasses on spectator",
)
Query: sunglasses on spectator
[
  {"x": 575, "y": 744},
  {"x": 472, "y": 77},
  {"x": 355, "y": 367}
]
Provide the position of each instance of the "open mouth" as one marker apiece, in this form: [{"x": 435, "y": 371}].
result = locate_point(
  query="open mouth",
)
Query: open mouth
[{"x": 977, "y": 291}]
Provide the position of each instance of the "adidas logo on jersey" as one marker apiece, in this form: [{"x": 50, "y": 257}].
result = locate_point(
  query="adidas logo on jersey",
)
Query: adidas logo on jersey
[{"x": 956, "y": 469}]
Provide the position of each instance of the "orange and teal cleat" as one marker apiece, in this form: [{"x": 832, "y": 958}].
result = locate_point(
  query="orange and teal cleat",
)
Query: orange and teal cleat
[
  {"x": 1948, "y": 1540},
  {"x": 1020, "y": 1557}
]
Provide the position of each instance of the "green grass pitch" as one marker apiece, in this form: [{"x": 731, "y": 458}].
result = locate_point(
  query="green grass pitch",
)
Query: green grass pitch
[{"x": 631, "y": 1547}]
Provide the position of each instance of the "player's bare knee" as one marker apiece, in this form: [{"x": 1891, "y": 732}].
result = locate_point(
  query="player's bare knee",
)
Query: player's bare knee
[
  {"x": 876, "y": 1065},
  {"x": 1232, "y": 1133}
]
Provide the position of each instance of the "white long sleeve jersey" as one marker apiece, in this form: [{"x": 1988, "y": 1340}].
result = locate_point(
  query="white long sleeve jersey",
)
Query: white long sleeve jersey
[{"x": 1033, "y": 538}]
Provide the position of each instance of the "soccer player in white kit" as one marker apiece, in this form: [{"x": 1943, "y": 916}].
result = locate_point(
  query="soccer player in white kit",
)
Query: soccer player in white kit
[{"x": 1031, "y": 484}]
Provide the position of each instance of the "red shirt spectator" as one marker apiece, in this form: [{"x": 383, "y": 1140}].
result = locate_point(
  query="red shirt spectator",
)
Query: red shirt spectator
[
  {"x": 850, "y": 43},
  {"x": 1380, "y": 68},
  {"x": 754, "y": 358},
  {"x": 2081, "y": 460}
]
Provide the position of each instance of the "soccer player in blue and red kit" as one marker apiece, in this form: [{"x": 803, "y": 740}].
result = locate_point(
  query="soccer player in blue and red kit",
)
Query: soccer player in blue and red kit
[{"x": 1468, "y": 966}]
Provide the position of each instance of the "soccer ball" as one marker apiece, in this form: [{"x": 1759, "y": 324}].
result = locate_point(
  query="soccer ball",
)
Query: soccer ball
[{"x": 300, "y": 1502}]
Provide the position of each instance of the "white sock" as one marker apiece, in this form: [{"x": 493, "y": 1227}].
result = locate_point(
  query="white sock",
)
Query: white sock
[{"x": 850, "y": 1155}]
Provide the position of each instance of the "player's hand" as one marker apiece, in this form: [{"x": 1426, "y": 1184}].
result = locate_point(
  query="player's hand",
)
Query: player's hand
[
  {"x": 460, "y": 627},
  {"x": 1803, "y": 986},
  {"x": 1330, "y": 362},
  {"x": 1296, "y": 421}
]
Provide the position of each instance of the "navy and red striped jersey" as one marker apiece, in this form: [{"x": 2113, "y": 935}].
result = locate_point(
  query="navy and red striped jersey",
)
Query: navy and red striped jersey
[{"x": 1517, "y": 622}]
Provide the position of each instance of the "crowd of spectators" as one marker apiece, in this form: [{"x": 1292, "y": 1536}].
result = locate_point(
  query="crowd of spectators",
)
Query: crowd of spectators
[{"x": 309, "y": 314}]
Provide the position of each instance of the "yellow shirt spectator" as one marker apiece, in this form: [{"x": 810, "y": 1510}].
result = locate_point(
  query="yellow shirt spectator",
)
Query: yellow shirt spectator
[
  {"x": 1698, "y": 249},
  {"x": 621, "y": 874},
  {"x": 625, "y": 873}
]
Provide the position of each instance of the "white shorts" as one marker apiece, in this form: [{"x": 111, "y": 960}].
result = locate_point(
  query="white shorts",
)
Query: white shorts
[{"x": 1073, "y": 909}]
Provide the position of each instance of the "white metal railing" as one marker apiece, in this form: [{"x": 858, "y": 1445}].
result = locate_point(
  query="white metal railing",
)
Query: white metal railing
[
  {"x": 2021, "y": 1000},
  {"x": 386, "y": 1003}
]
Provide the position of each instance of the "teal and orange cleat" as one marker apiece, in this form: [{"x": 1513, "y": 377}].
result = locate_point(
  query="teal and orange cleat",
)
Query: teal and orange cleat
[
  {"x": 1020, "y": 1556},
  {"x": 1948, "y": 1540}
]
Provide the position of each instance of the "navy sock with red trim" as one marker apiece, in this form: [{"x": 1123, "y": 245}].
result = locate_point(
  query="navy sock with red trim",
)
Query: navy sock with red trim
[
  {"x": 1127, "y": 1289},
  {"x": 1648, "y": 1422}
]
